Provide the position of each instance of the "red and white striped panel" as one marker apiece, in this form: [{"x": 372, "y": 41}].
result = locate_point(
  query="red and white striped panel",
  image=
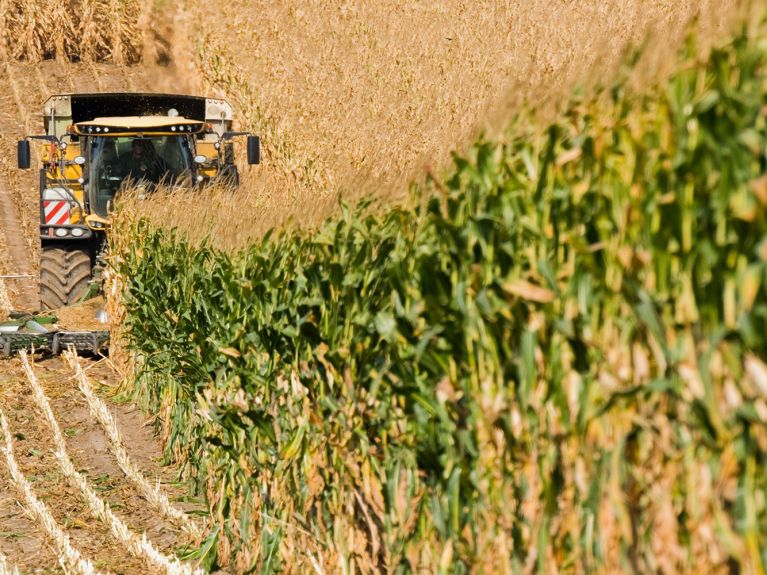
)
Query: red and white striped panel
[{"x": 56, "y": 212}]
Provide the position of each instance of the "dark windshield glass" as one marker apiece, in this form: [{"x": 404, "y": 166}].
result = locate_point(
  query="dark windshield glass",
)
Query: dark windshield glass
[{"x": 141, "y": 161}]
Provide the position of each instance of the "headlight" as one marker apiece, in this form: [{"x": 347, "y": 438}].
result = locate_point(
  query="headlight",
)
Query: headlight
[
  {"x": 61, "y": 232},
  {"x": 77, "y": 232}
]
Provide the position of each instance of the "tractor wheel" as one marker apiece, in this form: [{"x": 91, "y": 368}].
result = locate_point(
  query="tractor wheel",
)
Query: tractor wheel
[{"x": 64, "y": 276}]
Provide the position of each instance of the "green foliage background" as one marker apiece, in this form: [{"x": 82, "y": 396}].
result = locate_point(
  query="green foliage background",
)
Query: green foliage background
[{"x": 552, "y": 358}]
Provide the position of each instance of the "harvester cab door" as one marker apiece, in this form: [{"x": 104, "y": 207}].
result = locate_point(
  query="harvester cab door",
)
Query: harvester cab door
[{"x": 104, "y": 179}]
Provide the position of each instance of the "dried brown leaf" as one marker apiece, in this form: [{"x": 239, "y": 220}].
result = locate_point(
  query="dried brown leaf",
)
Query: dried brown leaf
[
  {"x": 230, "y": 351},
  {"x": 529, "y": 291}
]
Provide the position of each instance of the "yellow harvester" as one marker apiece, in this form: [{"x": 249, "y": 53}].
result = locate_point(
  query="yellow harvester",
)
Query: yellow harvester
[{"x": 97, "y": 144}]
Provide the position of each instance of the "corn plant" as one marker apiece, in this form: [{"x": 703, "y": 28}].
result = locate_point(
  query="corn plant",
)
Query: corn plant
[
  {"x": 552, "y": 361},
  {"x": 89, "y": 30}
]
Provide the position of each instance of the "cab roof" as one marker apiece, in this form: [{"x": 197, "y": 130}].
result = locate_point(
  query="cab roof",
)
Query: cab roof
[
  {"x": 138, "y": 125},
  {"x": 131, "y": 122},
  {"x": 61, "y": 111},
  {"x": 86, "y": 107}
]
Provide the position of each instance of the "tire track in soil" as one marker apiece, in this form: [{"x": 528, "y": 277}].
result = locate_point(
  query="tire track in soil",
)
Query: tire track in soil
[
  {"x": 23, "y": 293},
  {"x": 20, "y": 539},
  {"x": 14, "y": 120}
]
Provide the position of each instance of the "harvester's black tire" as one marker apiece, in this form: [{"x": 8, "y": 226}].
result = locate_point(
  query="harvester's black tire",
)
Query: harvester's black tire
[{"x": 64, "y": 276}]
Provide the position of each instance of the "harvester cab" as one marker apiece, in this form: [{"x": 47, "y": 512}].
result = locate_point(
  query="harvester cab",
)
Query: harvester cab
[{"x": 95, "y": 145}]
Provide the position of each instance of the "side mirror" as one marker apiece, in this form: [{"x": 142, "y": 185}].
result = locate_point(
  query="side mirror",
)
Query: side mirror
[
  {"x": 254, "y": 150},
  {"x": 23, "y": 154}
]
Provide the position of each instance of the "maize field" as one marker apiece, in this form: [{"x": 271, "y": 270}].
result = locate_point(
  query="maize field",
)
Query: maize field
[
  {"x": 350, "y": 103},
  {"x": 85, "y": 30},
  {"x": 549, "y": 360}
]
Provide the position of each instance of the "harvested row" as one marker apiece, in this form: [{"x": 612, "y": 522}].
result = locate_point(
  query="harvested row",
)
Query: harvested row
[
  {"x": 138, "y": 546},
  {"x": 5, "y": 569},
  {"x": 15, "y": 220},
  {"x": 69, "y": 556},
  {"x": 152, "y": 494},
  {"x": 99, "y": 475}
]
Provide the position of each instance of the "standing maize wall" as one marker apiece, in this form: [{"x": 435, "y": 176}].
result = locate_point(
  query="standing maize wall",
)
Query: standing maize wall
[
  {"x": 83, "y": 30},
  {"x": 554, "y": 362}
]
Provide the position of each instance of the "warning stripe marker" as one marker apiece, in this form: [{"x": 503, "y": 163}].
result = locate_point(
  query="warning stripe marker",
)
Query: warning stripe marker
[{"x": 56, "y": 212}]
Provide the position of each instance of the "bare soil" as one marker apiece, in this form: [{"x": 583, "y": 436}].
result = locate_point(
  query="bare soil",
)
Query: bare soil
[{"x": 20, "y": 538}]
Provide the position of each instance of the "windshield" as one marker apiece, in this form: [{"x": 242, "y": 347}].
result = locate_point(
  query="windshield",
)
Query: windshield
[{"x": 118, "y": 162}]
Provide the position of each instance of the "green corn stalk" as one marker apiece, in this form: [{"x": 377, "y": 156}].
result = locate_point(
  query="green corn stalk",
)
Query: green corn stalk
[{"x": 539, "y": 362}]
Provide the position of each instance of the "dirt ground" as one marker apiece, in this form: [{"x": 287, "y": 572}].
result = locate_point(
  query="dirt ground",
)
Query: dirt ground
[{"x": 21, "y": 539}]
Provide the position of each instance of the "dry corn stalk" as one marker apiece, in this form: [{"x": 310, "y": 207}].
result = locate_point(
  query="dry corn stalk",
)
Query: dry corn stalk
[
  {"x": 25, "y": 29},
  {"x": 151, "y": 493},
  {"x": 5, "y": 569},
  {"x": 137, "y": 546},
  {"x": 116, "y": 32},
  {"x": 5, "y": 303},
  {"x": 91, "y": 25},
  {"x": 88, "y": 30},
  {"x": 69, "y": 557},
  {"x": 63, "y": 30},
  {"x": 145, "y": 26}
]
